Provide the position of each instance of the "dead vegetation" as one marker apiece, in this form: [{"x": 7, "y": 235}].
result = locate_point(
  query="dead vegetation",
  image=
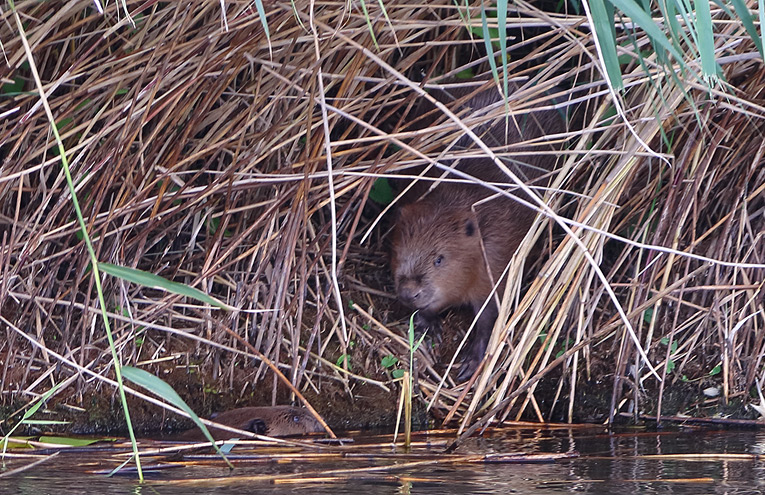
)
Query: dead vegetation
[{"x": 200, "y": 154}]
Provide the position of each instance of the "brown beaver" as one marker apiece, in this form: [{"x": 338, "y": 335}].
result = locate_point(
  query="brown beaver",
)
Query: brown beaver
[
  {"x": 439, "y": 241},
  {"x": 274, "y": 421}
]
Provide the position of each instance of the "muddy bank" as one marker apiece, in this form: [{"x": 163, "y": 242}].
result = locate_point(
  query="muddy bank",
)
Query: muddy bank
[{"x": 359, "y": 407}]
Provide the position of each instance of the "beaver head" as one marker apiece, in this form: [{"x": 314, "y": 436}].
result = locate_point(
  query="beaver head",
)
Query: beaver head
[
  {"x": 274, "y": 421},
  {"x": 436, "y": 259}
]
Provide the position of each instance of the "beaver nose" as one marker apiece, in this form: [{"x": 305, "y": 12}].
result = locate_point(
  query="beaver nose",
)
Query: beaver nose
[{"x": 409, "y": 295}]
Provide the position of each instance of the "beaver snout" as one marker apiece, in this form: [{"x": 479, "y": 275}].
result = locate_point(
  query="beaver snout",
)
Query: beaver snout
[
  {"x": 416, "y": 292},
  {"x": 410, "y": 295}
]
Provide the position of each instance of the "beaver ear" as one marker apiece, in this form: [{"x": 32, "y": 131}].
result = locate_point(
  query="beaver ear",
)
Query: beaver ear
[
  {"x": 398, "y": 214},
  {"x": 409, "y": 209},
  {"x": 469, "y": 227},
  {"x": 402, "y": 213}
]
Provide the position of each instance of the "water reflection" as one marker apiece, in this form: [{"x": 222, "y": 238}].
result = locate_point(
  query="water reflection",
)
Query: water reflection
[{"x": 621, "y": 463}]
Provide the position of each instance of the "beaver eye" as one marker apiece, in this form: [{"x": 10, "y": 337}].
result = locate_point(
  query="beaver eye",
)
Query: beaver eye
[
  {"x": 439, "y": 260},
  {"x": 296, "y": 419}
]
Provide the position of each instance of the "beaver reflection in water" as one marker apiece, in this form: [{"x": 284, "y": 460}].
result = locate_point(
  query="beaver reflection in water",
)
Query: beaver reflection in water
[
  {"x": 443, "y": 243},
  {"x": 275, "y": 421}
]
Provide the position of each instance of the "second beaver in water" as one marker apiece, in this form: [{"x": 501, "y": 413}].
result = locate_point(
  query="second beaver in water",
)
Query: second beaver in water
[
  {"x": 439, "y": 241},
  {"x": 273, "y": 421}
]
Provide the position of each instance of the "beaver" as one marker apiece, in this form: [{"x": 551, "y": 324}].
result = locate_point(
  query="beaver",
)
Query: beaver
[
  {"x": 440, "y": 240},
  {"x": 274, "y": 421}
]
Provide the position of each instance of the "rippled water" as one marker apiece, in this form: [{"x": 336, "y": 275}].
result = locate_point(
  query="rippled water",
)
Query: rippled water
[{"x": 621, "y": 463}]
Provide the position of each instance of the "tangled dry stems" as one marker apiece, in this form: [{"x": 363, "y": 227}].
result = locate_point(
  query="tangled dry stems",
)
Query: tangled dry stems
[{"x": 199, "y": 154}]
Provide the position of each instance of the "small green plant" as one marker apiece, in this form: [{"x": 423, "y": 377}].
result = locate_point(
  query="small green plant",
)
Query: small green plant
[
  {"x": 16, "y": 85},
  {"x": 569, "y": 344},
  {"x": 671, "y": 365},
  {"x": 467, "y": 74},
  {"x": 381, "y": 192},
  {"x": 344, "y": 359},
  {"x": 407, "y": 386},
  {"x": 564, "y": 347},
  {"x": 413, "y": 346},
  {"x": 647, "y": 317},
  {"x": 210, "y": 390},
  {"x": 212, "y": 227},
  {"x": 389, "y": 362}
]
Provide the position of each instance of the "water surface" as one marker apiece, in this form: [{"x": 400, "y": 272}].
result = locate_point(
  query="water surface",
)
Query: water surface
[{"x": 618, "y": 463}]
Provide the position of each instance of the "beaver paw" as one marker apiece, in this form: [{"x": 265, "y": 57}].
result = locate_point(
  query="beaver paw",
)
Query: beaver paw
[
  {"x": 473, "y": 357},
  {"x": 427, "y": 325},
  {"x": 467, "y": 368}
]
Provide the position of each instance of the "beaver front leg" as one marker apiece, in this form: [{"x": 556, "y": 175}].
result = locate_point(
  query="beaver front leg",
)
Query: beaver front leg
[
  {"x": 478, "y": 340},
  {"x": 427, "y": 323}
]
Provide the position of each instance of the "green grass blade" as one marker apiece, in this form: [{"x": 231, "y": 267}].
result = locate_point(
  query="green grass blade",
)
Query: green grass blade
[
  {"x": 643, "y": 19},
  {"x": 263, "y": 22},
  {"x": 706, "y": 40},
  {"x": 147, "y": 279},
  {"x": 297, "y": 15},
  {"x": 83, "y": 229},
  {"x": 487, "y": 42},
  {"x": 464, "y": 17},
  {"x": 71, "y": 442},
  {"x": 502, "y": 26},
  {"x": 37, "y": 405},
  {"x": 603, "y": 19},
  {"x": 676, "y": 32},
  {"x": 119, "y": 468},
  {"x": 747, "y": 20},
  {"x": 369, "y": 23},
  {"x": 28, "y": 414},
  {"x": 387, "y": 19},
  {"x": 160, "y": 388},
  {"x": 761, "y": 11}
]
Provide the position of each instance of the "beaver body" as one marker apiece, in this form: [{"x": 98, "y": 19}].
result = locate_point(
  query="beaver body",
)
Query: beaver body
[
  {"x": 274, "y": 421},
  {"x": 443, "y": 243}
]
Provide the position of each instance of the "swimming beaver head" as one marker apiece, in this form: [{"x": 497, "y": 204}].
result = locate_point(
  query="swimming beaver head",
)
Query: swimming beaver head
[
  {"x": 437, "y": 261},
  {"x": 275, "y": 421}
]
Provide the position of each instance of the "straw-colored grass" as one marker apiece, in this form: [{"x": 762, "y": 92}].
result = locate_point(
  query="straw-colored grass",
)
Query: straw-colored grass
[{"x": 200, "y": 154}]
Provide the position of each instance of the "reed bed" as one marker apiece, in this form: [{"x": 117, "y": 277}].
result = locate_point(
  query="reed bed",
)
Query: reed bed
[{"x": 199, "y": 148}]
